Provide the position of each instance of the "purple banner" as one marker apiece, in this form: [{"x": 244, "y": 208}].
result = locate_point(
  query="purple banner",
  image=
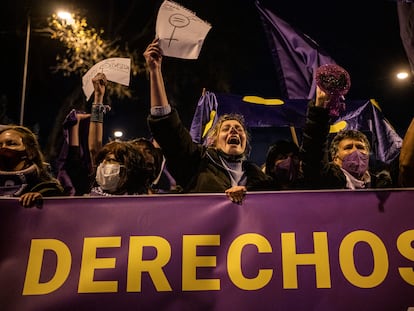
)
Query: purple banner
[{"x": 331, "y": 250}]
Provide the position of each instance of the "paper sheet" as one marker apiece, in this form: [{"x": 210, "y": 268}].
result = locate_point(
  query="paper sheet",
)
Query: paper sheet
[
  {"x": 181, "y": 33},
  {"x": 116, "y": 69}
]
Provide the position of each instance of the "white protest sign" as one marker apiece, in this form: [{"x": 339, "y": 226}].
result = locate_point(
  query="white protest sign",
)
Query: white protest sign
[
  {"x": 181, "y": 33},
  {"x": 116, "y": 69}
]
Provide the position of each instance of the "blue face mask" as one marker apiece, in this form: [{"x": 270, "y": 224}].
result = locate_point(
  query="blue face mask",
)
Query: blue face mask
[{"x": 356, "y": 163}]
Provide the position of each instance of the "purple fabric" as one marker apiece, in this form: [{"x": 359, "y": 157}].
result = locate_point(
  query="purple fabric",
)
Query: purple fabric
[
  {"x": 206, "y": 104},
  {"x": 295, "y": 55},
  {"x": 356, "y": 163},
  {"x": 376, "y": 220},
  {"x": 366, "y": 116},
  {"x": 335, "y": 81},
  {"x": 62, "y": 174},
  {"x": 405, "y": 10}
]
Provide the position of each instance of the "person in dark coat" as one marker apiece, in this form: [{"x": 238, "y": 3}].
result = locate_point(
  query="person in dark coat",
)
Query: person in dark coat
[
  {"x": 346, "y": 165},
  {"x": 222, "y": 166}
]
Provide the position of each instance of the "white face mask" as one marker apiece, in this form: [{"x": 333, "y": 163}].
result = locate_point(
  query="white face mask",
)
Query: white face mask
[{"x": 107, "y": 176}]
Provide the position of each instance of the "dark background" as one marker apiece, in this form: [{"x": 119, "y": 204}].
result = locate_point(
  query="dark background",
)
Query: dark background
[{"x": 235, "y": 57}]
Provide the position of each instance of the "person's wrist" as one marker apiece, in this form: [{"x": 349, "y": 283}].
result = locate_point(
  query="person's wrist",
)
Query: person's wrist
[
  {"x": 98, "y": 98},
  {"x": 321, "y": 103},
  {"x": 97, "y": 112},
  {"x": 160, "y": 110}
]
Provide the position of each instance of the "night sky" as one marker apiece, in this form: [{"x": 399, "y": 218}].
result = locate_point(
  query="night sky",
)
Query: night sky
[{"x": 363, "y": 39}]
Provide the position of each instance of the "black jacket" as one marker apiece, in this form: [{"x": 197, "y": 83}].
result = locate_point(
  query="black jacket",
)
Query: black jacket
[
  {"x": 195, "y": 167},
  {"x": 318, "y": 172}
]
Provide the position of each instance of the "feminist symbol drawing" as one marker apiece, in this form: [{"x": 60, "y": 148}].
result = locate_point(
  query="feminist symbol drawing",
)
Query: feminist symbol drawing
[
  {"x": 177, "y": 21},
  {"x": 181, "y": 33}
]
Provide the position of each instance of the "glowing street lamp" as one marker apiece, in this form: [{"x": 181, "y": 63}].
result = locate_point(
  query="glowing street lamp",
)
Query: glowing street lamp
[
  {"x": 118, "y": 134},
  {"x": 402, "y": 75},
  {"x": 66, "y": 16}
]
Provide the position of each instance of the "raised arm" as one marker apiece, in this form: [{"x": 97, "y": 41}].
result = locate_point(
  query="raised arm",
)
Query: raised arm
[
  {"x": 153, "y": 57},
  {"x": 97, "y": 113},
  {"x": 181, "y": 153},
  {"x": 314, "y": 140},
  {"x": 74, "y": 139}
]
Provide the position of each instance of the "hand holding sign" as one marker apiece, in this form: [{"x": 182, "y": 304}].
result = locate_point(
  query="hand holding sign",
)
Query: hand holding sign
[
  {"x": 181, "y": 33},
  {"x": 115, "y": 69}
]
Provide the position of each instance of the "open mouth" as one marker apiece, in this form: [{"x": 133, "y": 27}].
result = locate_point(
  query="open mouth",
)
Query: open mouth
[{"x": 234, "y": 140}]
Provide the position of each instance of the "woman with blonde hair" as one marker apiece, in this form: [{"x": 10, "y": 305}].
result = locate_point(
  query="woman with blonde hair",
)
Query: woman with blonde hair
[{"x": 220, "y": 167}]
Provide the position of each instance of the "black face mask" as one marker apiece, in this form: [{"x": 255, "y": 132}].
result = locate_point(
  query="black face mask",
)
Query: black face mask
[{"x": 9, "y": 158}]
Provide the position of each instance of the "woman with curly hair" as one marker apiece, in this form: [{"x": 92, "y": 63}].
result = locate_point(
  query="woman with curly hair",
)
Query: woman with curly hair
[
  {"x": 121, "y": 169},
  {"x": 115, "y": 168}
]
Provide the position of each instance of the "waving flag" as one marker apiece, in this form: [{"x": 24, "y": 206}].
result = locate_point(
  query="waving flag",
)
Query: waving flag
[
  {"x": 296, "y": 56},
  {"x": 204, "y": 116}
]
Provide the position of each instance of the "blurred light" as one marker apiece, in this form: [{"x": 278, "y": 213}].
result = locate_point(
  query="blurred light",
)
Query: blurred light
[
  {"x": 66, "y": 16},
  {"x": 118, "y": 134},
  {"x": 402, "y": 75}
]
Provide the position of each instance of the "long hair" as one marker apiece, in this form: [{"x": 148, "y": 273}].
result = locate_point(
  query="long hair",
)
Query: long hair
[
  {"x": 153, "y": 156},
  {"x": 32, "y": 146}
]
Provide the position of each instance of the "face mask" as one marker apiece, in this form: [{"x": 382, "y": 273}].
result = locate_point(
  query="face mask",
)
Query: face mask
[
  {"x": 10, "y": 158},
  {"x": 356, "y": 163},
  {"x": 286, "y": 170},
  {"x": 107, "y": 176}
]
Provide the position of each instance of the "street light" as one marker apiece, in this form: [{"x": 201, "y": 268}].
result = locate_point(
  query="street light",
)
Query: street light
[
  {"x": 66, "y": 16},
  {"x": 118, "y": 134},
  {"x": 63, "y": 15},
  {"x": 26, "y": 60},
  {"x": 402, "y": 75}
]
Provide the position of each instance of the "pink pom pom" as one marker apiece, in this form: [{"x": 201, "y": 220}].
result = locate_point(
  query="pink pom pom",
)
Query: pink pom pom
[{"x": 335, "y": 81}]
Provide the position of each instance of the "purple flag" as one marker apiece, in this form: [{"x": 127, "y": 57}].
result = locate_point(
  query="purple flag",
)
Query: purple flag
[
  {"x": 296, "y": 56},
  {"x": 405, "y": 10},
  {"x": 205, "y": 116}
]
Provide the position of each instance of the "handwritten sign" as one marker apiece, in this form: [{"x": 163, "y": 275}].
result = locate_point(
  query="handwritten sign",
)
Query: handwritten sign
[
  {"x": 116, "y": 69},
  {"x": 180, "y": 31}
]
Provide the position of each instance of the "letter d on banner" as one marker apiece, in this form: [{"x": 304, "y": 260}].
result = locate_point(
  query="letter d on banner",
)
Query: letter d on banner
[{"x": 32, "y": 285}]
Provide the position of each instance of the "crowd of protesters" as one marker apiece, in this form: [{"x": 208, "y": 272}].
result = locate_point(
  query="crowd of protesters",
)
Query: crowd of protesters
[{"x": 170, "y": 162}]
